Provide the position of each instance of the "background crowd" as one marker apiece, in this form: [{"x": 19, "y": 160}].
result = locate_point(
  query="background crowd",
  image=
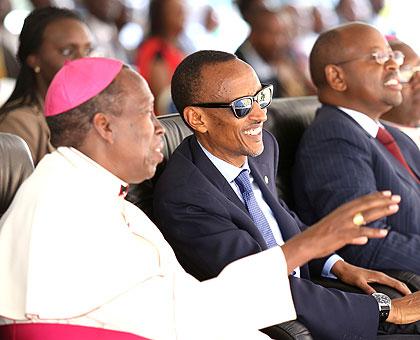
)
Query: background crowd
[{"x": 156, "y": 35}]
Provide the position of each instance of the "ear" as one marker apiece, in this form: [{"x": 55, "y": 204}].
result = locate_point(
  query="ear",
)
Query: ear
[
  {"x": 335, "y": 77},
  {"x": 195, "y": 119},
  {"x": 33, "y": 61},
  {"x": 102, "y": 125}
]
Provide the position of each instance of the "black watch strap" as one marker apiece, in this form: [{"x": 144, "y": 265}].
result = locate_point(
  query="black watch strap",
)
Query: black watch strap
[{"x": 384, "y": 304}]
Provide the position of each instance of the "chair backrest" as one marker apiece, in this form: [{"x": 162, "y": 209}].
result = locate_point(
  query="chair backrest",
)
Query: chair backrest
[
  {"x": 175, "y": 131},
  {"x": 15, "y": 165},
  {"x": 287, "y": 120}
]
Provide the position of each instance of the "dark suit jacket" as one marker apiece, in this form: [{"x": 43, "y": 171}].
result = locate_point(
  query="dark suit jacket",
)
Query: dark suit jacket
[
  {"x": 337, "y": 161},
  {"x": 209, "y": 227}
]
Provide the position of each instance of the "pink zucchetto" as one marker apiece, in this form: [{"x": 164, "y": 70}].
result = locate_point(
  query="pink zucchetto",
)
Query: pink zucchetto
[{"x": 78, "y": 81}]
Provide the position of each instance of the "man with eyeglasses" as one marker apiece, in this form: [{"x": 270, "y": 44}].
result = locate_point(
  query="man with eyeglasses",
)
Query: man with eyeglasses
[
  {"x": 347, "y": 151},
  {"x": 216, "y": 200},
  {"x": 406, "y": 116}
]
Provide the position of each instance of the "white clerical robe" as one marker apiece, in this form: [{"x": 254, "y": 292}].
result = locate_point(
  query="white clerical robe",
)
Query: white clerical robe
[{"x": 72, "y": 250}]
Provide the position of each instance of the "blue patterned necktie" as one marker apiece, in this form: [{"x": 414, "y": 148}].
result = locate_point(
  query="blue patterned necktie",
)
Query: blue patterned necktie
[{"x": 254, "y": 210}]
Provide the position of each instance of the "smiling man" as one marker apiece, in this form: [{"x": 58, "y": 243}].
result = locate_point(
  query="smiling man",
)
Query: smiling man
[
  {"x": 406, "y": 116},
  {"x": 347, "y": 152},
  {"x": 216, "y": 200}
]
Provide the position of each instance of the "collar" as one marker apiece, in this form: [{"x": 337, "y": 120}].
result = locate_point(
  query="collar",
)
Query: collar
[
  {"x": 98, "y": 173},
  {"x": 368, "y": 124},
  {"x": 229, "y": 171}
]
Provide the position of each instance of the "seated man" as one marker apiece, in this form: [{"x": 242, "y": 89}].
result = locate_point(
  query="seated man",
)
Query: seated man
[
  {"x": 73, "y": 251},
  {"x": 406, "y": 116},
  {"x": 216, "y": 200},
  {"x": 347, "y": 152}
]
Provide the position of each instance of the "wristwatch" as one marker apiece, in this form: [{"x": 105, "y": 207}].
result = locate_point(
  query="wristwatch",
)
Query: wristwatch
[{"x": 384, "y": 303}]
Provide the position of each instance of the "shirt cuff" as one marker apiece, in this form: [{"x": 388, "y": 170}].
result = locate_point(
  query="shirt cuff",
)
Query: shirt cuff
[{"x": 326, "y": 270}]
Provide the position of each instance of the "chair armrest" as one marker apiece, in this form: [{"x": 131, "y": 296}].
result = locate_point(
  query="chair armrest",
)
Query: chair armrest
[{"x": 290, "y": 330}]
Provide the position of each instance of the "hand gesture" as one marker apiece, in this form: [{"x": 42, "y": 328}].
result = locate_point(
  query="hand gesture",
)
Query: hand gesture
[{"x": 343, "y": 226}]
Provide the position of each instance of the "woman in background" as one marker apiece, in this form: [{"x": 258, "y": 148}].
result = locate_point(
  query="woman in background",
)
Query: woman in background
[
  {"x": 49, "y": 37},
  {"x": 158, "y": 55}
]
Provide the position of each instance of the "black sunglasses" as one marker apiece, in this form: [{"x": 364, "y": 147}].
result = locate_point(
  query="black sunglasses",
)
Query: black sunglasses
[{"x": 243, "y": 105}]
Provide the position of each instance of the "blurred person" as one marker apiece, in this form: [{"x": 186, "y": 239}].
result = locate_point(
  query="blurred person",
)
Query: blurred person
[
  {"x": 247, "y": 7},
  {"x": 406, "y": 116},
  {"x": 9, "y": 67},
  {"x": 353, "y": 10},
  {"x": 268, "y": 49},
  {"x": 379, "y": 19},
  {"x": 105, "y": 19},
  {"x": 70, "y": 4},
  {"x": 347, "y": 152},
  {"x": 201, "y": 23},
  {"x": 312, "y": 19},
  {"x": 49, "y": 37},
  {"x": 100, "y": 113},
  {"x": 216, "y": 200},
  {"x": 159, "y": 55}
]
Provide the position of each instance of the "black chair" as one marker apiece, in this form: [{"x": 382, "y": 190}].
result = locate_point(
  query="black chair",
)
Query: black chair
[
  {"x": 16, "y": 164},
  {"x": 287, "y": 119}
]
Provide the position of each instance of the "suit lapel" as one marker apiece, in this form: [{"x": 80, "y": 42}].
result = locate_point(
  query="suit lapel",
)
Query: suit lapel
[
  {"x": 410, "y": 161},
  {"x": 213, "y": 175},
  {"x": 396, "y": 165}
]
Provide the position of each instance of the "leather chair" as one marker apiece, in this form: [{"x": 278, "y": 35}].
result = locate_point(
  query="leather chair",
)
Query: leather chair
[
  {"x": 16, "y": 164},
  {"x": 287, "y": 119}
]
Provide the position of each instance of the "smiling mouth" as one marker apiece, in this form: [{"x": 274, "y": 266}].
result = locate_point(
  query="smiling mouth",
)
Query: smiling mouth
[
  {"x": 391, "y": 82},
  {"x": 253, "y": 132}
]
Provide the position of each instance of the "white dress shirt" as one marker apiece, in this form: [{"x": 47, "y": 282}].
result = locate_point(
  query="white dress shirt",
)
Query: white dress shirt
[
  {"x": 368, "y": 124},
  {"x": 72, "y": 250}
]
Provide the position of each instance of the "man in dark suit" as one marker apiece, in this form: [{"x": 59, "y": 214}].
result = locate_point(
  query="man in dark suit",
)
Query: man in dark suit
[
  {"x": 208, "y": 214},
  {"x": 343, "y": 154}
]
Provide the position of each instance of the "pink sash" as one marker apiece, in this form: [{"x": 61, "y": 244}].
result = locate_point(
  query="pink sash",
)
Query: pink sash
[{"x": 52, "y": 331}]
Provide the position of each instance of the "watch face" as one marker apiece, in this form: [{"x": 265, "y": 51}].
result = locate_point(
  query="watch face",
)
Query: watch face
[
  {"x": 383, "y": 300},
  {"x": 384, "y": 304}
]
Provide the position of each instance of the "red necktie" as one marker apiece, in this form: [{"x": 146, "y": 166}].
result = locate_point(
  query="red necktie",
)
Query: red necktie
[{"x": 389, "y": 142}]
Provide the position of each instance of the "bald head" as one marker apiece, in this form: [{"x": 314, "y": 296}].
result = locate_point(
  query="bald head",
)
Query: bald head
[
  {"x": 353, "y": 66},
  {"x": 334, "y": 46}
]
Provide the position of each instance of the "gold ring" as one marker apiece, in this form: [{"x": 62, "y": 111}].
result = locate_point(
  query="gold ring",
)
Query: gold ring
[{"x": 358, "y": 219}]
